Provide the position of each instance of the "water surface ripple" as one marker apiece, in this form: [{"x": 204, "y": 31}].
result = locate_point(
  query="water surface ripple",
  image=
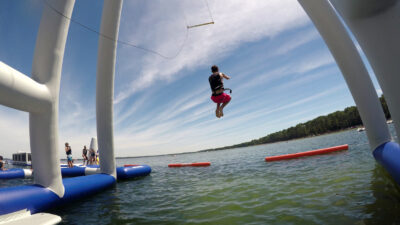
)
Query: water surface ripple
[{"x": 239, "y": 187}]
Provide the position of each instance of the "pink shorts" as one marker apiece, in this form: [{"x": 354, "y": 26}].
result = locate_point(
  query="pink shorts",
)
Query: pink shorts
[{"x": 222, "y": 98}]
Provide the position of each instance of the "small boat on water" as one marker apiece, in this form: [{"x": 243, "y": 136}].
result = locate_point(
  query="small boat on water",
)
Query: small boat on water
[
  {"x": 22, "y": 159},
  {"x": 361, "y": 129}
]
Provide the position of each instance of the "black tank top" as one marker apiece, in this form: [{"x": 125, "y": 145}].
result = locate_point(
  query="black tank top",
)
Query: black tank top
[
  {"x": 69, "y": 152},
  {"x": 215, "y": 82}
]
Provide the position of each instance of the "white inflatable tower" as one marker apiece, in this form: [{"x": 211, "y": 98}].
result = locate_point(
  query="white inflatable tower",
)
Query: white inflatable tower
[
  {"x": 376, "y": 25},
  {"x": 105, "y": 84},
  {"x": 39, "y": 95},
  {"x": 353, "y": 69}
]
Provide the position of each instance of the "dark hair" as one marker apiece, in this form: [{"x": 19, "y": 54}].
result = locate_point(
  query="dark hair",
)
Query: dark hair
[
  {"x": 214, "y": 69},
  {"x": 1, "y": 157}
]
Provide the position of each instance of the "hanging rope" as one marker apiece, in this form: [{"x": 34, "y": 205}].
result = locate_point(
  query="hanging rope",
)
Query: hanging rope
[
  {"x": 123, "y": 42},
  {"x": 209, "y": 11}
]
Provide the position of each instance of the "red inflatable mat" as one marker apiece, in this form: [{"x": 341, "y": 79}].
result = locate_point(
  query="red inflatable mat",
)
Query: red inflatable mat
[
  {"x": 189, "y": 164},
  {"x": 307, "y": 153}
]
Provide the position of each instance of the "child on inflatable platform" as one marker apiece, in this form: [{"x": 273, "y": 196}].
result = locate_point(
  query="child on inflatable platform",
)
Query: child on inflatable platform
[
  {"x": 92, "y": 157},
  {"x": 2, "y": 164},
  {"x": 84, "y": 155},
  {"x": 217, "y": 87}
]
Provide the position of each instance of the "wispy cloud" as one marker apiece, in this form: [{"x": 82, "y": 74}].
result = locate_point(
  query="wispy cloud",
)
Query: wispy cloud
[
  {"x": 235, "y": 23},
  {"x": 315, "y": 61},
  {"x": 301, "y": 66},
  {"x": 297, "y": 41}
]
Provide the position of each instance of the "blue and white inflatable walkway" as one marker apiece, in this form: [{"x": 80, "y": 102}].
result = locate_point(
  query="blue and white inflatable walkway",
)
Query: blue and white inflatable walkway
[
  {"x": 122, "y": 172},
  {"x": 15, "y": 173},
  {"x": 36, "y": 198}
]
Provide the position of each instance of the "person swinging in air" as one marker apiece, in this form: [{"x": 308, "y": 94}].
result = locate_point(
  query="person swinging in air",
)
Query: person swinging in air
[{"x": 217, "y": 87}]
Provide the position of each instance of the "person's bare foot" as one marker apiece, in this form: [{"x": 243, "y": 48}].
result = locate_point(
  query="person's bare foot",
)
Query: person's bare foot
[
  {"x": 221, "y": 113},
  {"x": 217, "y": 113}
]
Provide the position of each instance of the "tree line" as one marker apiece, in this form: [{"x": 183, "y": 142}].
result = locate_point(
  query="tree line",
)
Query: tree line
[{"x": 339, "y": 120}]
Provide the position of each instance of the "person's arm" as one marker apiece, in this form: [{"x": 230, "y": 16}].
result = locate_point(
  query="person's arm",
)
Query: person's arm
[{"x": 225, "y": 76}]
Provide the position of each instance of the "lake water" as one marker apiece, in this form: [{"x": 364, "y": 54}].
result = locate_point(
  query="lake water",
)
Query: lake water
[{"x": 239, "y": 187}]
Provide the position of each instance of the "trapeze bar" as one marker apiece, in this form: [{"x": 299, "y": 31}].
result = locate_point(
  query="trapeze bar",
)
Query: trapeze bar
[{"x": 199, "y": 25}]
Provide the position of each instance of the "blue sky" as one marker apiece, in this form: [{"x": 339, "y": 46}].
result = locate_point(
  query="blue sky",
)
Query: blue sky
[{"x": 282, "y": 73}]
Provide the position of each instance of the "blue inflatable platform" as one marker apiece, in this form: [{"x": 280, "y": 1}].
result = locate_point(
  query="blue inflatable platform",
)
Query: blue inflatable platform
[
  {"x": 12, "y": 173},
  {"x": 132, "y": 172},
  {"x": 36, "y": 198},
  {"x": 388, "y": 155},
  {"x": 122, "y": 172},
  {"x": 73, "y": 172}
]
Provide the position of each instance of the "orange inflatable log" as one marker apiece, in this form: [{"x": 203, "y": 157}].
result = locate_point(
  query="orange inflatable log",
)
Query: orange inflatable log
[
  {"x": 189, "y": 164},
  {"x": 307, "y": 153}
]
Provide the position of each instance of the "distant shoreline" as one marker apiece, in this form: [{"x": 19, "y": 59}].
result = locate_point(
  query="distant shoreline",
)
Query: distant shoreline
[
  {"x": 217, "y": 149},
  {"x": 211, "y": 150},
  {"x": 295, "y": 139}
]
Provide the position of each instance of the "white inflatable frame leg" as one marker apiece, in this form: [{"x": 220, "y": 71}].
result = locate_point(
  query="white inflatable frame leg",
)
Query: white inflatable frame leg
[
  {"x": 105, "y": 84},
  {"x": 353, "y": 69},
  {"x": 39, "y": 95},
  {"x": 376, "y": 26}
]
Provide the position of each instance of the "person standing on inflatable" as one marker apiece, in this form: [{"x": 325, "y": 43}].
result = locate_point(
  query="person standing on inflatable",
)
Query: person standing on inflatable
[
  {"x": 68, "y": 151},
  {"x": 84, "y": 155},
  {"x": 2, "y": 164},
  {"x": 217, "y": 87}
]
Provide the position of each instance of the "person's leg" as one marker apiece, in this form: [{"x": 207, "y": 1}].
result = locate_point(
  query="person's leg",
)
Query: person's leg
[
  {"x": 223, "y": 106},
  {"x": 217, "y": 111}
]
